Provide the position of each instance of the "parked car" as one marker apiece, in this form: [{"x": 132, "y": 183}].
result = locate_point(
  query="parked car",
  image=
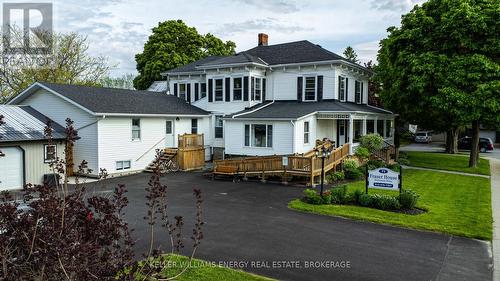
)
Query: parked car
[
  {"x": 423, "y": 137},
  {"x": 485, "y": 144}
]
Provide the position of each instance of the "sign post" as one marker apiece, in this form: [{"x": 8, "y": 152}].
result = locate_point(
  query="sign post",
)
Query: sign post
[{"x": 384, "y": 178}]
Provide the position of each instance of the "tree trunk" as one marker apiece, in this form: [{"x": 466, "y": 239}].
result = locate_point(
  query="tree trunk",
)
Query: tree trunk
[
  {"x": 474, "y": 150},
  {"x": 452, "y": 141}
]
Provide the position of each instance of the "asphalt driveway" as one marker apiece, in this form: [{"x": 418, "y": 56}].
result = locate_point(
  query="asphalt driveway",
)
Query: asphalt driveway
[{"x": 249, "y": 223}]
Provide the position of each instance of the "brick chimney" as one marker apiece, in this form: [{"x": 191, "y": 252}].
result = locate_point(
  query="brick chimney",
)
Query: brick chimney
[{"x": 263, "y": 38}]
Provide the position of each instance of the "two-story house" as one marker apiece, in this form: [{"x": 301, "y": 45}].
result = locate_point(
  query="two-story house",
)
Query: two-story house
[{"x": 279, "y": 99}]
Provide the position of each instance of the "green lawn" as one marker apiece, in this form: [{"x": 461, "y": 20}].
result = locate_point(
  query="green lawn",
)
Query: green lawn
[
  {"x": 202, "y": 270},
  {"x": 450, "y": 162},
  {"x": 455, "y": 204}
]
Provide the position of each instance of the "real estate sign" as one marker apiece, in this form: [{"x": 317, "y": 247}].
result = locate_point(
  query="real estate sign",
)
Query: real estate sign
[{"x": 383, "y": 178}]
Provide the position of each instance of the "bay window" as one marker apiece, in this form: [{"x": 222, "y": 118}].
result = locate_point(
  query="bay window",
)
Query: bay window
[
  {"x": 258, "y": 89},
  {"x": 358, "y": 92},
  {"x": 342, "y": 88},
  {"x": 203, "y": 90},
  {"x": 182, "y": 90}
]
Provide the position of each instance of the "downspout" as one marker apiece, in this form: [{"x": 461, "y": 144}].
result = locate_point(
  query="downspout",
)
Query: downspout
[{"x": 293, "y": 138}]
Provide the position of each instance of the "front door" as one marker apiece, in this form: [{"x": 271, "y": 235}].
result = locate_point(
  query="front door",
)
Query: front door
[
  {"x": 341, "y": 132},
  {"x": 169, "y": 133}
]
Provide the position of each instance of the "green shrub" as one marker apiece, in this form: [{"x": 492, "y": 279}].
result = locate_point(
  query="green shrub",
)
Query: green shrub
[
  {"x": 339, "y": 194},
  {"x": 356, "y": 195},
  {"x": 366, "y": 200},
  {"x": 395, "y": 167},
  {"x": 327, "y": 197},
  {"x": 385, "y": 202},
  {"x": 353, "y": 174},
  {"x": 372, "y": 142},
  {"x": 375, "y": 164},
  {"x": 362, "y": 153},
  {"x": 335, "y": 177},
  {"x": 350, "y": 164},
  {"x": 408, "y": 199},
  {"x": 312, "y": 197},
  {"x": 404, "y": 161}
]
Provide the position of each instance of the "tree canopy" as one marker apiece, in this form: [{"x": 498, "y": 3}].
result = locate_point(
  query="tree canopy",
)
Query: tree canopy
[
  {"x": 440, "y": 69},
  {"x": 350, "y": 54},
  {"x": 173, "y": 44},
  {"x": 69, "y": 63}
]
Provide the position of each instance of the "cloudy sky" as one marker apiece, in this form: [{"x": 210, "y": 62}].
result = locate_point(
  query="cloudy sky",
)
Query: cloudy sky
[{"x": 118, "y": 29}]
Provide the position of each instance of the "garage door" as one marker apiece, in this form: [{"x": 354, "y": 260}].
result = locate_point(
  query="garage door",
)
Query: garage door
[{"x": 11, "y": 168}]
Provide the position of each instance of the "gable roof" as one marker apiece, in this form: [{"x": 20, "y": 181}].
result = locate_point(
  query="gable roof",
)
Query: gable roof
[
  {"x": 192, "y": 67},
  {"x": 23, "y": 123},
  {"x": 292, "y": 110},
  {"x": 109, "y": 101},
  {"x": 240, "y": 58}
]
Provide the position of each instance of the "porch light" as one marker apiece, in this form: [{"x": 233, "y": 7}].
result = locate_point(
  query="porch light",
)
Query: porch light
[{"x": 323, "y": 153}]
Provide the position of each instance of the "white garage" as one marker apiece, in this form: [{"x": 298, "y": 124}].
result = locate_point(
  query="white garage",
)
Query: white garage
[
  {"x": 11, "y": 168},
  {"x": 26, "y": 152}
]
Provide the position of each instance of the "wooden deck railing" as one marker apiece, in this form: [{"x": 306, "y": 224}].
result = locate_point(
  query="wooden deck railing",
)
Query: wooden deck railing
[
  {"x": 190, "y": 140},
  {"x": 307, "y": 165},
  {"x": 387, "y": 153}
]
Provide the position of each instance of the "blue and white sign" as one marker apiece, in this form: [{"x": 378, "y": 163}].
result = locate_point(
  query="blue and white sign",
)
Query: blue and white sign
[{"x": 383, "y": 178}]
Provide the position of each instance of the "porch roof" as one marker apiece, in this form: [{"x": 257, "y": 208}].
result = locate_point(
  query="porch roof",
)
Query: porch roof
[{"x": 294, "y": 109}]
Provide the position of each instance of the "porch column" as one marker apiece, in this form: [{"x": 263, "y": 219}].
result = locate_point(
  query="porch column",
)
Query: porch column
[
  {"x": 351, "y": 133},
  {"x": 363, "y": 130},
  {"x": 385, "y": 129}
]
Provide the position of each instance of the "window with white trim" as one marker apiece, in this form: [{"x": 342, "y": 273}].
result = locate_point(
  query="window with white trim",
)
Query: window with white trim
[
  {"x": 182, "y": 90},
  {"x": 219, "y": 89},
  {"x": 358, "y": 91},
  {"x": 237, "y": 88},
  {"x": 123, "y": 165},
  {"x": 136, "y": 129},
  {"x": 169, "y": 127},
  {"x": 342, "y": 89},
  {"x": 219, "y": 127},
  {"x": 50, "y": 153},
  {"x": 203, "y": 89},
  {"x": 194, "y": 126},
  {"x": 258, "y": 88},
  {"x": 306, "y": 132},
  {"x": 310, "y": 88},
  {"x": 258, "y": 135}
]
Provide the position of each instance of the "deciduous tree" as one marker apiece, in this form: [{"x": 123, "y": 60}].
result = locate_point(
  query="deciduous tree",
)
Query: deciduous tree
[
  {"x": 173, "y": 44},
  {"x": 440, "y": 69}
]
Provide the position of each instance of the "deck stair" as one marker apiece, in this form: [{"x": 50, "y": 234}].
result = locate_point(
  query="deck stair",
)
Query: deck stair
[
  {"x": 388, "y": 153},
  {"x": 167, "y": 154}
]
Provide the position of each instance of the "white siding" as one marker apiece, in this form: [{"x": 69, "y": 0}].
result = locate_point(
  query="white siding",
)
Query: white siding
[
  {"x": 34, "y": 166},
  {"x": 116, "y": 144},
  {"x": 58, "y": 110},
  {"x": 282, "y": 138},
  {"x": 300, "y": 146}
]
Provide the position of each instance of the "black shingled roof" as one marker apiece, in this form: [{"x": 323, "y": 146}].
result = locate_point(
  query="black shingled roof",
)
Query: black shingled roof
[
  {"x": 191, "y": 67},
  {"x": 295, "y": 109},
  {"x": 238, "y": 58},
  {"x": 293, "y": 52},
  {"x": 122, "y": 101}
]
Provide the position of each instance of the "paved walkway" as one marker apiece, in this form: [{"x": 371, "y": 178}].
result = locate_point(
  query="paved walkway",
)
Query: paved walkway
[
  {"x": 446, "y": 171},
  {"x": 495, "y": 205}
]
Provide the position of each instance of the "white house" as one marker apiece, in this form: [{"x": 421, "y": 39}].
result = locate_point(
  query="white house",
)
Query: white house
[
  {"x": 119, "y": 129},
  {"x": 279, "y": 99},
  {"x": 272, "y": 99}
]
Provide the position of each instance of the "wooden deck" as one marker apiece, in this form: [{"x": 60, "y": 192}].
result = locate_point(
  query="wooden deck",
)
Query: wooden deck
[{"x": 306, "y": 165}]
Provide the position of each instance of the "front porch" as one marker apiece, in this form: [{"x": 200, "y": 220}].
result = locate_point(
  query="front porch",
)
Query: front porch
[{"x": 347, "y": 128}]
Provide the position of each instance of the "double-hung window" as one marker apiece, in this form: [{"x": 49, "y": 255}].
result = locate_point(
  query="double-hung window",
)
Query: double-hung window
[
  {"x": 258, "y": 89},
  {"x": 194, "y": 126},
  {"x": 50, "y": 153},
  {"x": 237, "y": 88},
  {"x": 219, "y": 129},
  {"x": 259, "y": 135},
  {"x": 342, "y": 88},
  {"x": 203, "y": 90},
  {"x": 310, "y": 88},
  {"x": 182, "y": 91},
  {"x": 136, "y": 129},
  {"x": 123, "y": 165},
  {"x": 219, "y": 89},
  {"x": 358, "y": 91},
  {"x": 306, "y": 132}
]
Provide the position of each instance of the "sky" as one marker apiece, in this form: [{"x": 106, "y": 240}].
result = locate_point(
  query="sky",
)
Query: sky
[{"x": 118, "y": 29}]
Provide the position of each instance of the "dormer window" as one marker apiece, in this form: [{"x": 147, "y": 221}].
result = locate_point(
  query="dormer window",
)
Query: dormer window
[
  {"x": 310, "y": 88},
  {"x": 342, "y": 88}
]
